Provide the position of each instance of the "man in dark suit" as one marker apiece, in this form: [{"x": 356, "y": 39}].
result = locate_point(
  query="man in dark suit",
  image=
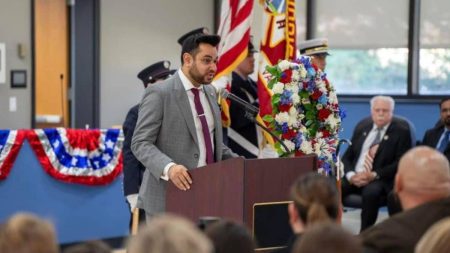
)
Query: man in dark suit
[
  {"x": 243, "y": 135},
  {"x": 422, "y": 184},
  {"x": 371, "y": 162},
  {"x": 179, "y": 126},
  {"x": 438, "y": 137},
  {"x": 133, "y": 170}
]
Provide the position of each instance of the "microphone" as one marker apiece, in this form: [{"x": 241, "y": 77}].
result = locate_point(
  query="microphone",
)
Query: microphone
[
  {"x": 250, "y": 113},
  {"x": 240, "y": 102}
]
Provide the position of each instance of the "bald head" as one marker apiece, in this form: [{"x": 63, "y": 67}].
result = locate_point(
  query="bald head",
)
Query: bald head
[{"x": 423, "y": 175}]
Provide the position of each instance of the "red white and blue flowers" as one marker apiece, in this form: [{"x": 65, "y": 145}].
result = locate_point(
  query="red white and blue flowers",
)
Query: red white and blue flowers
[{"x": 305, "y": 111}]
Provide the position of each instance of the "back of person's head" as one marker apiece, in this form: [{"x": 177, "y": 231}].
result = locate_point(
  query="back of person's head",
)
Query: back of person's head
[
  {"x": 228, "y": 236},
  {"x": 436, "y": 239},
  {"x": 315, "y": 198},
  {"x": 192, "y": 43},
  {"x": 27, "y": 233},
  {"x": 423, "y": 175},
  {"x": 170, "y": 234},
  {"x": 89, "y": 247},
  {"x": 327, "y": 238}
]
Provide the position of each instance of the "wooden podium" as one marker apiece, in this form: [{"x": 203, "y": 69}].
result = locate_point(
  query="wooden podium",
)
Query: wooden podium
[{"x": 232, "y": 188}]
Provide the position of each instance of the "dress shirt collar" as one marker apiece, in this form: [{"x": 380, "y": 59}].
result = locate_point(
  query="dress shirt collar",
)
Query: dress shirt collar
[
  {"x": 383, "y": 129},
  {"x": 187, "y": 84}
]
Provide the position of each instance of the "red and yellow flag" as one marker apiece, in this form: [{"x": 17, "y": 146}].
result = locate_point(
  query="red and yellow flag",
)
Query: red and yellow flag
[{"x": 278, "y": 42}]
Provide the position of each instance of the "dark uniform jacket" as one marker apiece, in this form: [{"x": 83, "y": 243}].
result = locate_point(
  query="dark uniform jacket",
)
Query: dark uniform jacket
[
  {"x": 239, "y": 123},
  {"x": 133, "y": 170}
]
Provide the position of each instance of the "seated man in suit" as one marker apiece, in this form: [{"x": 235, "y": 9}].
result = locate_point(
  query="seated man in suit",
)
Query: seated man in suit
[
  {"x": 438, "y": 137},
  {"x": 422, "y": 184},
  {"x": 371, "y": 162}
]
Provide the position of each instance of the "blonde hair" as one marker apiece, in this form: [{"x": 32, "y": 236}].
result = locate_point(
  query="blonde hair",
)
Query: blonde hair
[
  {"x": 316, "y": 198},
  {"x": 27, "y": 233},
  {"x": 169, "y": 233},
  {"x": 436, "y": 239}
]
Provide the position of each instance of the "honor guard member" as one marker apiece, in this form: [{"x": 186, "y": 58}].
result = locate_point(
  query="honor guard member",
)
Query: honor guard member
[
  {"x": 243, "y": 133},
  {"x": 317, "y": 49},
  {"x": 133, "y": 170}
]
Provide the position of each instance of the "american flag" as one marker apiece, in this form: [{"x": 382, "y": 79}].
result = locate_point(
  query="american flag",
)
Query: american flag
[{"x": 234, "y": 29}]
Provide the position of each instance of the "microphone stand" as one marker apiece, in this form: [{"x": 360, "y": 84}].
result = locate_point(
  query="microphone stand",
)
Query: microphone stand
[
  {"x": 338, "y": 149},
  {"x": 250, "y": 116}
]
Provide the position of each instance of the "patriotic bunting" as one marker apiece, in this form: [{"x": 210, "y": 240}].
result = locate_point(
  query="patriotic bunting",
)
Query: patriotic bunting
[
  {"x": 90, "y": 157},
  {"x": 10, "y": 143}
]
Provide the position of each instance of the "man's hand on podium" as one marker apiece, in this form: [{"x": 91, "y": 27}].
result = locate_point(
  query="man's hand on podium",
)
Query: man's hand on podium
[{"x": 180, "y": 177}]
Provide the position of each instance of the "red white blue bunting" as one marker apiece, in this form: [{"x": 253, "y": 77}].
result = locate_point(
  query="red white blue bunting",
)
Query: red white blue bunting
[
  {"x": 91, "y": 157},
  {"x": 10, "y": 143}
]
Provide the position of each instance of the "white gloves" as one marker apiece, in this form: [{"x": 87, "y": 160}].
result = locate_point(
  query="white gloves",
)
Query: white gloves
[
  {"x": 268, "y": 152},
  {"x": 132, "y": 200}
]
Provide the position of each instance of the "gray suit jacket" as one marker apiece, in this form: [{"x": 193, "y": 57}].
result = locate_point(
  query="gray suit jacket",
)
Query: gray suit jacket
[{"x": 165, "y": 132}]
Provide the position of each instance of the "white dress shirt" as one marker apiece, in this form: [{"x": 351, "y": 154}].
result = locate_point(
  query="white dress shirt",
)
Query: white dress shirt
[
  {"x": 365, "y": 148},
  {"x": 198, "y": 125}
]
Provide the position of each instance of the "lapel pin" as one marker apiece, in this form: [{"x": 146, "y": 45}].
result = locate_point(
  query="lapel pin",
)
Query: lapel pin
[{"x": 386, "y": 137}]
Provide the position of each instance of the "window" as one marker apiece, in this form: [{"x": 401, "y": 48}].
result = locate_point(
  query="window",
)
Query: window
[
  {"x": 434, "y": 70},
  {"x": 369, "y": 45}
]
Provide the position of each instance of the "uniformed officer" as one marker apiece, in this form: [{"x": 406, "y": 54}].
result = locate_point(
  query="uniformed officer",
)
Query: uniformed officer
[
  {"x": 317, "y": 49},
  {"x": 133, "y": 170}
]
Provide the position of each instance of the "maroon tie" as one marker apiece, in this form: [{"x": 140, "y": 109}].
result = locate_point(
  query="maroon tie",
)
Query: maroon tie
[{"x": 205, "y": 128}]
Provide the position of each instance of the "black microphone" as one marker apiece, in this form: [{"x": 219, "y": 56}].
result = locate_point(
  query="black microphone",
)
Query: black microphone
[
  {"x": 240, "y": 102},
  {"x": 250, "y": 113}
]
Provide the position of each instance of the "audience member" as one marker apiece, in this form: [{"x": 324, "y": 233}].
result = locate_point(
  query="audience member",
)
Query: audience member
[
  {"x": 170, "y": 234},
  {"x": 315, "y": 200},
  {"x": 317, "y": 49},
  {"x": 328, "y": 238},
  {"x": 133, "y": 170},
  {"x": 371, "y": 162},
  {"x": 27, "y": 233},
  {"x": 89, "y": 247},
  {"x": 422, "y": 185},
  {"x": 439, "y": 136},
  {"x": 230, "y": 237},
  {"x": 243, "y": 133},
  {"x": 436, "y": 239}
]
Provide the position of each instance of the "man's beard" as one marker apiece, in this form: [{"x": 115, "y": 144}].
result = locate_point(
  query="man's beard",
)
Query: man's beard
[
  {"x": 446, "y": 122},
  {"x": 199, "y": 78}
]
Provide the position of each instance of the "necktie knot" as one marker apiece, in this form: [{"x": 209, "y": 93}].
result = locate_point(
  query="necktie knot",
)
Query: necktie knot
[
  {"x": 377, "y": 138},
  {"x": 195, "y": 91}
]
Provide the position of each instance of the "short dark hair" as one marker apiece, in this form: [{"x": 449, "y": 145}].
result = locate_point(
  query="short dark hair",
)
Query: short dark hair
[
  {"x": 229, "y": 236},
  {"x": 191, "y": 44},
  {"x": 443, "y": 101}
]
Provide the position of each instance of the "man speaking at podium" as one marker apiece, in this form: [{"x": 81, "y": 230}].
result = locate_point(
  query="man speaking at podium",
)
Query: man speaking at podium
[{"x": 179, "y": 125}]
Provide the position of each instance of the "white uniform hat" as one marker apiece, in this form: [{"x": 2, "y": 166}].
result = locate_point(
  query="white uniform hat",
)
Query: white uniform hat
[{"x": 314, "y": 46}]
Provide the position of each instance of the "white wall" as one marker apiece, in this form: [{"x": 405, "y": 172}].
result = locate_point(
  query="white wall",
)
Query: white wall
[
  {"x": 15, "y": 28},
  {"x": 135, "y": 34}
]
